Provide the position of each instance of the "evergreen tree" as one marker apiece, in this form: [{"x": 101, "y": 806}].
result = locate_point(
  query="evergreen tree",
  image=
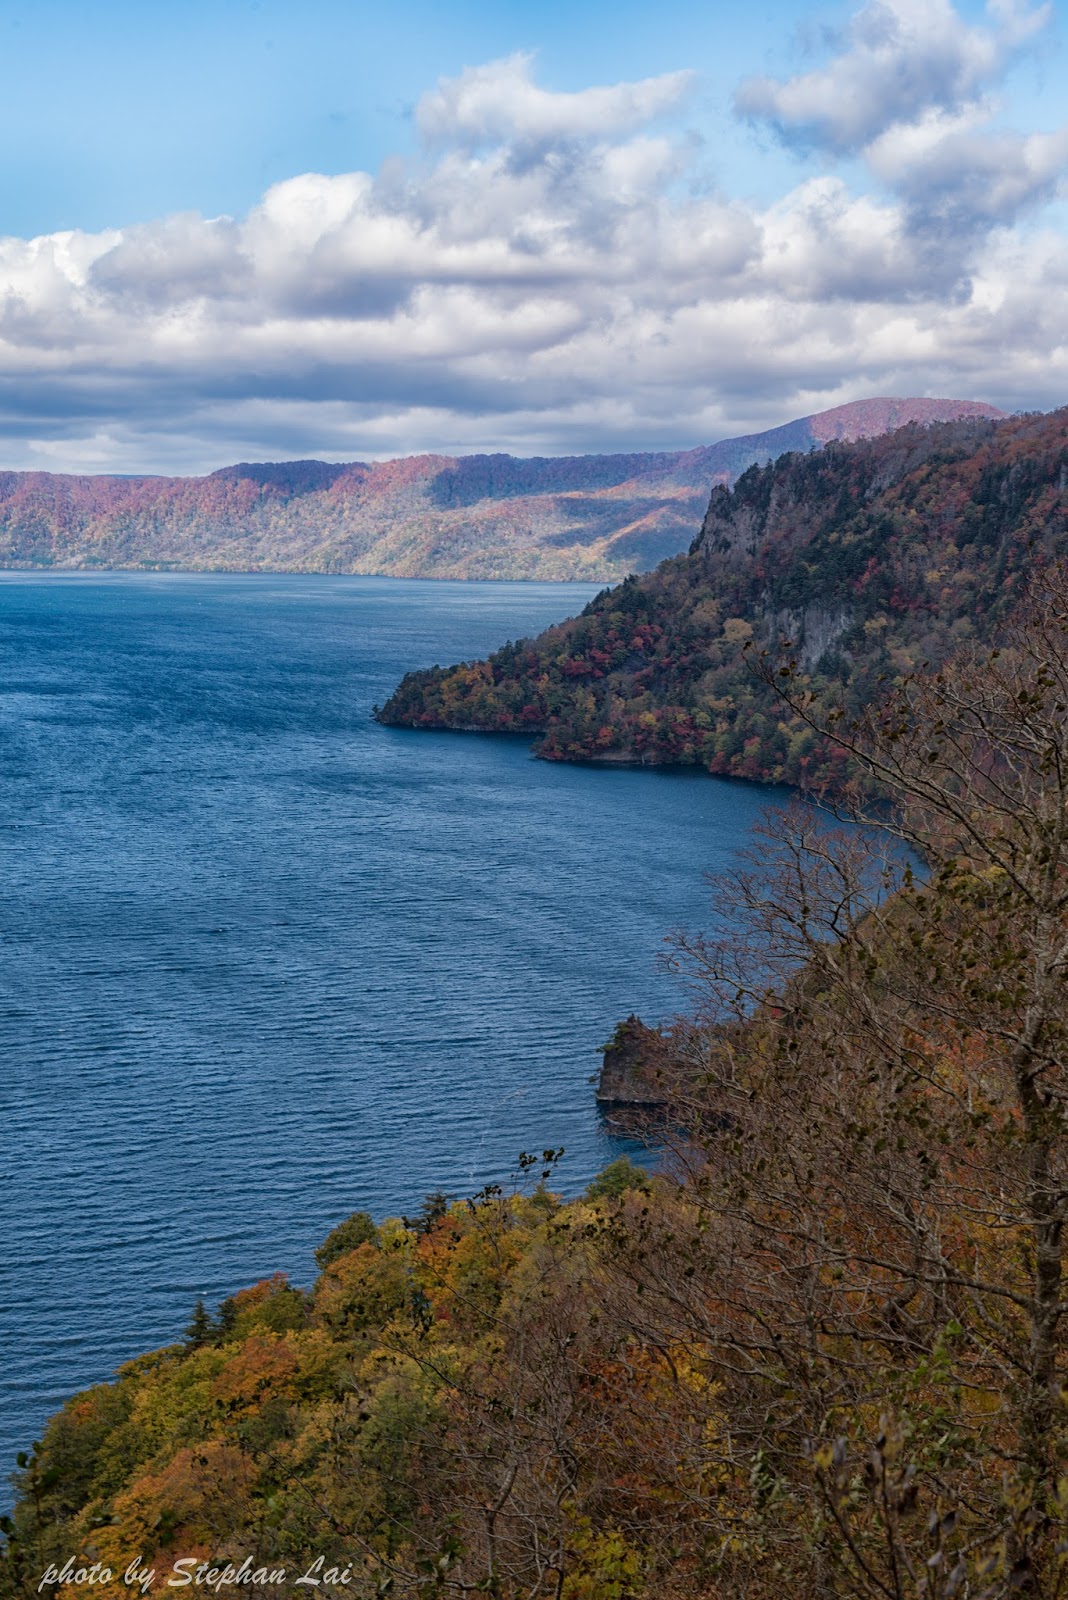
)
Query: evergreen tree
[{"x": 201, "y": 1329}]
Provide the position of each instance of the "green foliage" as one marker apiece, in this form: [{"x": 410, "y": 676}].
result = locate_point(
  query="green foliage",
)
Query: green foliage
[
  {"x": 618, "y": 1178},
  {"x": 201, "y": 1329},
  {"x": 356, "y": 1229}
]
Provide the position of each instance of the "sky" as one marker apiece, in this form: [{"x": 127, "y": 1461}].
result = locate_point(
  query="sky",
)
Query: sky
[{"x": 270, "y": 229}]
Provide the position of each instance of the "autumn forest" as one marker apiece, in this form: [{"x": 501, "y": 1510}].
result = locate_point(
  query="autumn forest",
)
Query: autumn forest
[{"x": 816, "y": 1346}]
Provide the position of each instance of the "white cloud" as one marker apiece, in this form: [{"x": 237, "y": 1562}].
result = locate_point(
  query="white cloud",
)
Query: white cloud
[
  {"x": 544, "y": 281},
  {"x": 957, "y": 173},
  {"x": 500, "y": 101},
  {"x": 903, "y": 59},
  {"x": 909, "y": 94}
]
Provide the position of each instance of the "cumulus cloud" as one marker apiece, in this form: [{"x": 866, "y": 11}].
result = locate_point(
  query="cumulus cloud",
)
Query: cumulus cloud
[
  {"x": 544, "y": 281},
  {"x": 902, "y": 59},
  {"x": 910, "y": 94},
  {"x": 957, "y": 174},
  {"x": 501, "y": 101}
]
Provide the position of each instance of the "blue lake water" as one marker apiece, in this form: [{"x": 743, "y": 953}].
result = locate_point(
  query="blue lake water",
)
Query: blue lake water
[{"x": 263, "y": 962}]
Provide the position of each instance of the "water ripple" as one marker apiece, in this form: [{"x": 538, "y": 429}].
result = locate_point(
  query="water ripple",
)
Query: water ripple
[{"x": 264, "y": 962}]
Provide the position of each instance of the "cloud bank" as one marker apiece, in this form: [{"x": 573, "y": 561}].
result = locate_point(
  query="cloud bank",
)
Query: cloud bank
[{"x": 549, "y": 277}]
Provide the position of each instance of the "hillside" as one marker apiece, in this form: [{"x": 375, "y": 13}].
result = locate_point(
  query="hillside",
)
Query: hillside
[
  {"x": 488, "y": 516},
  {"x": 873, "y": 557},
  {"x": 823, "y": 1354}
]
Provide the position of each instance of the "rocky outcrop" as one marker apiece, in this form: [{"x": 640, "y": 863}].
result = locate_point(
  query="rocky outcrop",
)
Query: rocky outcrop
[{"x": 632, "y": 1075}]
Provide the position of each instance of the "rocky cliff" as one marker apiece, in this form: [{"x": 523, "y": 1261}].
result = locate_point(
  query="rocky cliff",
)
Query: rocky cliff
[{"x": 632, "y": 1078}]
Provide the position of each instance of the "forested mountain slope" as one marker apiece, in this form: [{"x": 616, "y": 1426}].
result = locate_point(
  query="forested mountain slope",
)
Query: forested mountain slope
[
  {"x": 872, "y": 557},
  {"x": 481, "y": 516},
  {"x": 824, "y": 1353}
]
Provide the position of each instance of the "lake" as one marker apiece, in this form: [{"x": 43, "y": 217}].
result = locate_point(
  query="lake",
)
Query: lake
[{"x": 265, "y": 962}]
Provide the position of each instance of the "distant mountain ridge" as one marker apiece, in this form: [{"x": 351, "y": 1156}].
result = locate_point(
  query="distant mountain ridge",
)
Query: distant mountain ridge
[{"x": 595, "y": 517}]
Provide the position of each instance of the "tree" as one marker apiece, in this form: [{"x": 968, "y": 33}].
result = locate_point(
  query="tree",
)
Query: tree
[
  {"x": 356, "y": 1229},
  {"x": 822, "y": 1355},
  {"x": 201, "y": 1329},
  {"x": 620, "y": 1176},
  {"x": 881, "y": 1076}
]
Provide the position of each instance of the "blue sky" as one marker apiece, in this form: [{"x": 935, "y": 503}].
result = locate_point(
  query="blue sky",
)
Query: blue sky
[
  {"x": 114, "y": 113},
  {"x": 117, "y": 111},
  {"x": 271, "y": 229}
]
